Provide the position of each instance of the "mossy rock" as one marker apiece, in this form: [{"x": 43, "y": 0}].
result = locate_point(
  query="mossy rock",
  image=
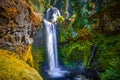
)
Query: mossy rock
[{"x": 12, "y": 68}]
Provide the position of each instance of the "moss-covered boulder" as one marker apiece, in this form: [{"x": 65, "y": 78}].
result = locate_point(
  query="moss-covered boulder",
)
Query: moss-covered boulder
[{"x": 12, "y": 68}]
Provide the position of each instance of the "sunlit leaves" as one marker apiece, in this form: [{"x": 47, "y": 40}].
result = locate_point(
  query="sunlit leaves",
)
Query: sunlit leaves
[{"x": 60, "y": 19}]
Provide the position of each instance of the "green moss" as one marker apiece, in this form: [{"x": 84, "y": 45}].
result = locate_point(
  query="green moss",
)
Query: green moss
[{"x": 12, "y": 68}]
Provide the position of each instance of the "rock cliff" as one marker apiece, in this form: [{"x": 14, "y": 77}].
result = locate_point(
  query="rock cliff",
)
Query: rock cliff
[{"x": 18, "y": 23}]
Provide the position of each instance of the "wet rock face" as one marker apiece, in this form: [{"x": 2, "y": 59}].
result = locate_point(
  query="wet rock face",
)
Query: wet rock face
[{"x": 18, "y": 24}]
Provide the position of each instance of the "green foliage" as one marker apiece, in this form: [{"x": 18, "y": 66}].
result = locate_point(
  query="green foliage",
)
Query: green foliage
[
  {"x": 82, "y": 17},
  {"x": 39, "y": 5},
  {"x": 107, "y": 56},
  {"x": 113, "y": 71},
  {"x": 76, "y": 51},
  {"x": 108, "y": 47},
  {"x": 65, "y": 34},
  {"x": 79, "y": 50},
  {"x": 60, "y": 19},
  {"x": 70, "y": 54},
  {"x": 38, "y": 56}
]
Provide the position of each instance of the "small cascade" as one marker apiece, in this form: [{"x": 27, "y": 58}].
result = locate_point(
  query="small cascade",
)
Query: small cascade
[{"x": 51, "y": 42}]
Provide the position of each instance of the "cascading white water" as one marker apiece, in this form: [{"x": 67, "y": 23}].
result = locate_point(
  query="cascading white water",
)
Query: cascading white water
[{"x": 51, "y": 40}]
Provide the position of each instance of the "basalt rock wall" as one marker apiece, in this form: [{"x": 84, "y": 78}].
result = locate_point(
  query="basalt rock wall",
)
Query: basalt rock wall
[{"x": 18, "y": 24}]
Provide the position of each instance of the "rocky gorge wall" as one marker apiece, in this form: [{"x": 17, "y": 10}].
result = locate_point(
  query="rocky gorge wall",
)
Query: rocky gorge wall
[{"x": 18, "y": 23}]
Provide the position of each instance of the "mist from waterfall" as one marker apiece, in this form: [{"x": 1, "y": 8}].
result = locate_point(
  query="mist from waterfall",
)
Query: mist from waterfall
[{"x": 51, "y": 42}]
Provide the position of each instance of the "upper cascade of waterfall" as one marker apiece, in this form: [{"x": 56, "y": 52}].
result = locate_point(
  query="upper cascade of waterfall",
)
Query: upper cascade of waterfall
[{"x": 52, "y": 14}]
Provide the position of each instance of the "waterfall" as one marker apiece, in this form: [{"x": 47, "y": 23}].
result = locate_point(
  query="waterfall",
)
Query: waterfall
[{"x": 51, "y": 42}]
